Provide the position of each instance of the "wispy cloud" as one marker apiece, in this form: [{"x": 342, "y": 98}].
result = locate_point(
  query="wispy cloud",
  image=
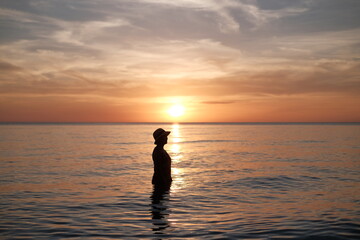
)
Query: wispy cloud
[{"x": 218, "y": 102}]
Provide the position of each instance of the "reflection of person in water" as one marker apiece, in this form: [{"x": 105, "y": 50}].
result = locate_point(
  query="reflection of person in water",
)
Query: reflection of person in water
[
  {"x": 161, "y": 159},
  {"x": 159, "y": 212},
  {"x": 161, "y": 180}
]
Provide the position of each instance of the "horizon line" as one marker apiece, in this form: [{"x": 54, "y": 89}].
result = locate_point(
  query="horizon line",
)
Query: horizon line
[{"x": 78, "y": 122}]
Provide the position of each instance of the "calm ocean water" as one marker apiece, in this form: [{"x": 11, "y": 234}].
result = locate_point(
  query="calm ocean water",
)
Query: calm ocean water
[{"x": 240, "y": 181}]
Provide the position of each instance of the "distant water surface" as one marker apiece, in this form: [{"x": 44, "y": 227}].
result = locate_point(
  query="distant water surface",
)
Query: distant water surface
[{"x": 261, "y": 181}]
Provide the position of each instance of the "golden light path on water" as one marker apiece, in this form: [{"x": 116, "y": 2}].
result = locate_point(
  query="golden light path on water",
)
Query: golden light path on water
[{"x": 176, "y": 156}]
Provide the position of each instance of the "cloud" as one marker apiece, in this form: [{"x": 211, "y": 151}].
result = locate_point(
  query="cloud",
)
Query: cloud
[
  {"x": 87, "y": 32},
  {"x": 166, "y": 67},
  {"x": 257, "y": 17},
  {"x": 230, "y": 13},
  {"x": 321, "y": 79},
  {"x": 8, "y": 67},
  {"x": 218, "y": 102},
  {"x": 141, "y": 61},
  {"x": 324, "y": 44}
]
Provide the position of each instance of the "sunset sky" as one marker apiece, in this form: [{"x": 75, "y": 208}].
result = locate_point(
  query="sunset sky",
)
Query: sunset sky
[{"x": 221, "y": 60}]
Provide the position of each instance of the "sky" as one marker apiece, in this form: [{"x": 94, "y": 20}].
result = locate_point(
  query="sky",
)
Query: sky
[{"x": 222, "y": 60}]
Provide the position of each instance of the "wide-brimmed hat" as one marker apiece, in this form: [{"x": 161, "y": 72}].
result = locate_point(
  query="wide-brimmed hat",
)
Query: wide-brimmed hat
[{"x": 158, "y": 133}]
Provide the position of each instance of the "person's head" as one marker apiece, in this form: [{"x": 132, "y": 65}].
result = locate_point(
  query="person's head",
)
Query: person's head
[{"x": 160, "y": 136}]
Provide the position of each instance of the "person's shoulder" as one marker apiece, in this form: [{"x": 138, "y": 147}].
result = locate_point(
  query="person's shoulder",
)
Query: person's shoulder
[{"x": 157, "y": 150}]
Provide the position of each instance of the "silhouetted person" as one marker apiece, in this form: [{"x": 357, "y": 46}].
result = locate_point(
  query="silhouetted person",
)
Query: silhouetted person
[{"x": 161, "y": 159}]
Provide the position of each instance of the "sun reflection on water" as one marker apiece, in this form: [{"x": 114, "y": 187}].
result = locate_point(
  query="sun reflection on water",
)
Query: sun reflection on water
[
  {"x": 175, "y": 150},
  {"x": 176, "y": 156},
  {"x": 175, "y": 133}
]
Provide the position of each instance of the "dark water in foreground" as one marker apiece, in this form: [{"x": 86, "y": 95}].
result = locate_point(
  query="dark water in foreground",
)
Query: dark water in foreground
[{"x": 230, "y": 181}]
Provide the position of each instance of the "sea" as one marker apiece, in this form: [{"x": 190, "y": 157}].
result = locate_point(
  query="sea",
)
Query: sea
[{"x": 230, "y": 181}]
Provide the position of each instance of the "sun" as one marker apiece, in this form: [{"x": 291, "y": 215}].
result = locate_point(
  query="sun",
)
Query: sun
[{"x": 176, "y": 110}]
